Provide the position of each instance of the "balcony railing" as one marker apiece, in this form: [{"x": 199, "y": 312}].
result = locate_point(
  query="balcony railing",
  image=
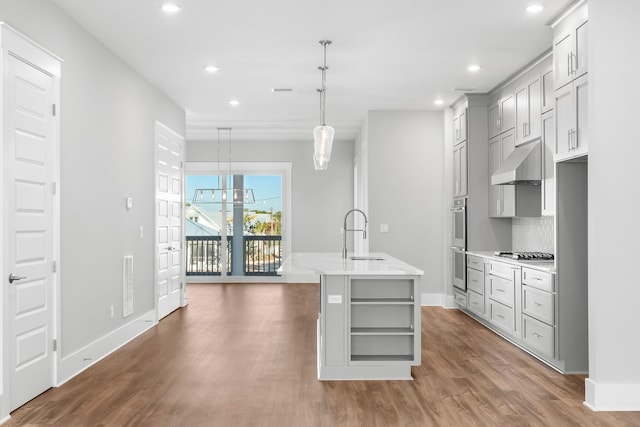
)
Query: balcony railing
[{"x": 262, "y": 255}]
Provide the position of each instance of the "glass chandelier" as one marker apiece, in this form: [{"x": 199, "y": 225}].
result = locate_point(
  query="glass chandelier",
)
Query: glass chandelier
[
  {"x": 223, "y": 195},
  {"x": 323, "y": 134}
]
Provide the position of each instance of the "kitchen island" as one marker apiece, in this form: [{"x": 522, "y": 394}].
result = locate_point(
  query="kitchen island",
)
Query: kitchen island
[{"x": 369, "y": 321}]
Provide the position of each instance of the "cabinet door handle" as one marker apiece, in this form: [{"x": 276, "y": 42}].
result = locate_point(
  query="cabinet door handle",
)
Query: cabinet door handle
[
  {"x": 500, "y": 316},
  {"x": 574, "y": 62},
  {"x": 499, "y": 123},
  {"x": 569, "y": 64}
]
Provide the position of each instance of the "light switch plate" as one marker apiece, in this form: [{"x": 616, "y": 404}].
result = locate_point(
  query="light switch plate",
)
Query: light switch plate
[
  {"x": 129, "y": 202},
  {"x": 384, "y": 228}
]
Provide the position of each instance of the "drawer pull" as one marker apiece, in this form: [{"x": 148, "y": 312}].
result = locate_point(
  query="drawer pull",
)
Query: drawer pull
[
  {"x": 500, "y": 316},
  {"x": 537, "y": 304},
  {"x": 536, "y": 278},
  {"x": 474, "y": 280},
  {"x": 501, "y": 290},
  {"x": 537, "y": 335},
  {"x": 474, "y": 303}
]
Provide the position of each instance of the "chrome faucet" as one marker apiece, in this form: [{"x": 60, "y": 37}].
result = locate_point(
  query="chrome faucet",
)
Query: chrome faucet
[{"x": 345, "y": 229}]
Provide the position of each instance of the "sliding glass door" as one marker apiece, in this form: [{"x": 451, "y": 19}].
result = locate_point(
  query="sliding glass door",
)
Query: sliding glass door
[{"x": 235, "y": 223}]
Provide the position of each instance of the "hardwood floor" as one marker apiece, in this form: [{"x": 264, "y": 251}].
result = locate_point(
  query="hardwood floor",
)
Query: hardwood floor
[{"x": 244, "y": 355}]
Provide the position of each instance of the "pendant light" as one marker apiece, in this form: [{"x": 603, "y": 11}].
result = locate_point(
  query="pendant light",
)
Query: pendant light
[
  {"x": 323, "y": 134},
  {"x": 220, "y": 195}
]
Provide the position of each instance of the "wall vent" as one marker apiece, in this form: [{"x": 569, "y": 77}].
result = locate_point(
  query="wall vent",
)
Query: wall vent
[{"x": 127, "y": 286}]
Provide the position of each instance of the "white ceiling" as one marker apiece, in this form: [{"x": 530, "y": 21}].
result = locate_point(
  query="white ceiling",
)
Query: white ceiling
[{"x": 386, "y": 55}]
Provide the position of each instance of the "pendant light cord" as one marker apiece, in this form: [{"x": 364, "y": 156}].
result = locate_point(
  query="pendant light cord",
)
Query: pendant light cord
[{"x": 323, "y": 89}]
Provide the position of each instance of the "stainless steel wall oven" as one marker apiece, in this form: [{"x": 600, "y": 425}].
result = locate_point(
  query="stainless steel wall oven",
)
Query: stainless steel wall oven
[{"x": 459, "y": 243}]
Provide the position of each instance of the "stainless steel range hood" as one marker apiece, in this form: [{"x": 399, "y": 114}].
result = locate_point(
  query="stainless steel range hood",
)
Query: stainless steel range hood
[{"x": 523, "y": 166}]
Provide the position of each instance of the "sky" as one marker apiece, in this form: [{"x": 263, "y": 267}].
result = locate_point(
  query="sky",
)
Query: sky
[{"x": 267, "y": 190}]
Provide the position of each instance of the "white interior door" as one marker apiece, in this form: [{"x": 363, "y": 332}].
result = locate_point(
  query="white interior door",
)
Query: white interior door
[
  {"x": 169, "y": 201},
  {"x": 28, "y": 149}
]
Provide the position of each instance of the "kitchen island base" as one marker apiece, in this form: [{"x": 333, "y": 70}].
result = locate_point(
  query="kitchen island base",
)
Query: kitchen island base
[{"x": 368, "y": 327}]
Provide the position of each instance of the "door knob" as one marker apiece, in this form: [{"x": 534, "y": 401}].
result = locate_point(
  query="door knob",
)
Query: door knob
[{"x": 13, "y": 278}]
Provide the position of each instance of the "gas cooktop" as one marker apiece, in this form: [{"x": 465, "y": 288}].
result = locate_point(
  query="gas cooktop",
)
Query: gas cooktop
[{"x": 525, "y": 256}]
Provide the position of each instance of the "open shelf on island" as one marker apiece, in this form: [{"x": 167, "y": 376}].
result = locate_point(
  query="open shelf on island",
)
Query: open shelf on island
[
  {"x": 381, "y": 331},
  {"x": 381, "y": 357},
  {"x": 378, "y": 301}
]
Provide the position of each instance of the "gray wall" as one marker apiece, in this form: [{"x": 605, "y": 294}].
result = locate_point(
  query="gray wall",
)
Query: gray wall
[
  {"x": 319, "y": 199},
  {"x": 406, "y": 185},
  {"x": 614, "y": 291},
  {"x": 107, "y": 117}
]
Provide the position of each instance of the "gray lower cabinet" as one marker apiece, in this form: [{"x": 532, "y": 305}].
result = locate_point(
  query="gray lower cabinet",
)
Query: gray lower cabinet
[
  {"x": 369, "y": 327},
  {"x": 523, "y": 305},
  {"x": 539, "y": 312},
  {"x": 504, "y": 302},
  {"x": 475, "y": 285}
]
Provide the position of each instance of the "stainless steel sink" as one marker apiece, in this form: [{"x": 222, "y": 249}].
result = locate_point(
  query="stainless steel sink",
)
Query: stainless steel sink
[{"x": 366, "y": 258}]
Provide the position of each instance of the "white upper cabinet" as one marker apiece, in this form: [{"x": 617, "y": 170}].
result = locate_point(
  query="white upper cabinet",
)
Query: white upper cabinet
[
  {"x": 547, "y": 100},
  {"x": 571, "y": 120},
  {"x": 460, "y": 170},
  {"x": 501, "y": 197},
  {"x": 460, "y": 125},
  {"x": 570, "y": 47},
  {"x": 571, "y": 84},
  {"x": 502, "y": 115},
  {"x": 528, "y": 105},
  {"x": 548, "y": 182}
]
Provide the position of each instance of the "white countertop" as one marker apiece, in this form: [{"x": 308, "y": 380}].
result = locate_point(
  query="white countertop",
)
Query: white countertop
[
  {"x": 324, "y": 263},
  {"x": 548, "y": 266}
]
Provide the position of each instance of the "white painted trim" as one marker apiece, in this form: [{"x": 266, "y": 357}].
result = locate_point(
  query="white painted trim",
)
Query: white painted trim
[
  {"x": 302, "y": 278},
  {"x": 78, "y": 361},
  {"x": 450, "y": 302},
  {"x": 431, "y": 299},
  {"x": 5, "y": 419},
  {"x": 611, "y": 397},
  {"x": 29, "y": 51},
  {"x": 438, "y": 300}
]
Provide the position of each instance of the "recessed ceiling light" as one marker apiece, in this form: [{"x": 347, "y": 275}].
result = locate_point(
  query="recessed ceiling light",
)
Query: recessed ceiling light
[
  {"x": 473, "y": 68},
  {"x": 211, "y": 69},
  {"x": 234, "y": 102},
  {"x": 171, "y": 8},
  {"x": 534, "y": 8},
  {"x": 438, "y": 101}
]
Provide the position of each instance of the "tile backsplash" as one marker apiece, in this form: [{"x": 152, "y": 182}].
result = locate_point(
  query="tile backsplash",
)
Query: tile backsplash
[{"x": 532, "y": 234}]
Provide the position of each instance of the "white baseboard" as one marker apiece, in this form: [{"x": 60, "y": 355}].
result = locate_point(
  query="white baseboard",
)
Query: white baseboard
[
  {"x": 439, "y": 300},
  {"x": 5, "y": 419},
  {"x": 78, "y": 361},
  {"x": 611, "y": 397},
  {"x": 301, "y": 278}
]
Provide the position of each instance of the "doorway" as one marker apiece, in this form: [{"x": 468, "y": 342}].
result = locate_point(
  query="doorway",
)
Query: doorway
[
  {"x": 169, "y": 149},
  {"x": 29, "y": 160}
]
